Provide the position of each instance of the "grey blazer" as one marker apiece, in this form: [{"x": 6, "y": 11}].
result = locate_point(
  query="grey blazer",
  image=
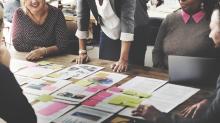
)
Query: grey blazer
[{"x": 131, "y": 13}]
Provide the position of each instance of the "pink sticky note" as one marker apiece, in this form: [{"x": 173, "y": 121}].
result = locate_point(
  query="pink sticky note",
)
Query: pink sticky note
[
  {"x": 92, "y": 89},
  {"x": 98, "y": 98},
  {"x": 104, "y": 94},
  {"x": 90, "y": 102},
  {"x": 100, "y": 87},
  {"x": 53, "y": 108},
  {"x": 115, "y": 89},
  {"x": 49, "y": 88}
]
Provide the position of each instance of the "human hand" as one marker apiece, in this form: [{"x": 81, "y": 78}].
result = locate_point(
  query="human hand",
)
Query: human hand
[
  {"x": 82, "y": 58},
  {"x": 149, "y": 113},
  {"x": 194, "y": 110},
  {"x": 120, "y": 66},
  {"x": 4, "y": 56},
  {"x": 36, "y": 54}
]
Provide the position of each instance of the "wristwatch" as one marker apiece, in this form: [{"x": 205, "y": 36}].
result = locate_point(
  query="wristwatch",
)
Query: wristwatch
[{"x": 81, "y": 51}]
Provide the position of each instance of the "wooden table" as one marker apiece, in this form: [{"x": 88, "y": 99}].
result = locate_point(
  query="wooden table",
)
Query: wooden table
[{"x": 132, "y": 72}]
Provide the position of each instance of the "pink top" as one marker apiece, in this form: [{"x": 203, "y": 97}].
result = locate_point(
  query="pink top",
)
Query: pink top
[{"x": 197, "y": 17}]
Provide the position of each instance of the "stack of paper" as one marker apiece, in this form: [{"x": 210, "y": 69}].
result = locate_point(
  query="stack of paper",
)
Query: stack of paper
[
  {"x": 143, "y": 84},
  {"x": 78, "y": 71},
  {"x": 42, "y": 69},
  {"x": 84, "y": 115},
  {"x": 40, "y": 87},
  {"x": 16, "y": 64},
  {"x": 170, "y": 96}
]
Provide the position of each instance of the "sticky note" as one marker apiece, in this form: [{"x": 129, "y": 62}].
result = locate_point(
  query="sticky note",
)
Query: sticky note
[
  {"x": 43, "y": 63},
  {"x": 84, "y": 83},
  {"x": 55, "y": 75},
  {"x": 37, "y": 76},
  {"x": 53, "y": 108},
  {"x": 92, "y": 89},
  {"x": 49, "y": 88},
  {"x": 98, "y": 98},
  {"x": 90, "y": 102},
  {"x": 129, "y": 92},
  {"x": 115, "y": 89},
  {"x": 104, "y": 94},
  {"x": 101, "y": 74},
  {"x": 45, "y": 98}
]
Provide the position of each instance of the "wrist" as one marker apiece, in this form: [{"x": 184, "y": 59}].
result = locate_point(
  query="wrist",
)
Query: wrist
[{"x": 44, "y": 51}]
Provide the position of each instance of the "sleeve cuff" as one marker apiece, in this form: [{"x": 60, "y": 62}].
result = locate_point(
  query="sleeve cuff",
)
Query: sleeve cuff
[
  {"x": 127, "y": 36},
  {"x": 82, "y": 34}
]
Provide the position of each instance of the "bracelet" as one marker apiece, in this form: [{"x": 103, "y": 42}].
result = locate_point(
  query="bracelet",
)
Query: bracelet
[
  {"x": 45, "y": 50},
  {"x": 81, "y": 51}
]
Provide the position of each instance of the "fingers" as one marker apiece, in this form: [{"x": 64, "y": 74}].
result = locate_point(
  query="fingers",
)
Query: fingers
[
  {"x": 138, "y": 111},
  {"x": 189, "y": 112},
  {"x": 82, "y": 59},
  {"x": 119, "y": 67}
]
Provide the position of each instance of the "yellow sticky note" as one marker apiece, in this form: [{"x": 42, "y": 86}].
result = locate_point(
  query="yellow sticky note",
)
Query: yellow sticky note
[
  {"x": 36, "y": 76},
  {"x": 101, "y": 74},
  {"x": 116, "y": 101},
  {"x": 129, "y": 92},
  {"x": 56, "y": 67},
  {"x": 130, "y": 104},
  {"x": 83, "y": 83},
  {"x": 43, "y": 63},
  {"x": 45, "y": 98},
  {"x": 55, "y": 75}
]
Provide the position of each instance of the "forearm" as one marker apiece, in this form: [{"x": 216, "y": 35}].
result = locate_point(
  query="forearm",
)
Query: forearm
[
  {"x": 125, "y": 48},
  {"x": 82, "y": 44}
]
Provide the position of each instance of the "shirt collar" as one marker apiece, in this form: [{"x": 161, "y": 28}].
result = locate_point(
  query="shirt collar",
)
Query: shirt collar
[{"x": 197, "y": 17}]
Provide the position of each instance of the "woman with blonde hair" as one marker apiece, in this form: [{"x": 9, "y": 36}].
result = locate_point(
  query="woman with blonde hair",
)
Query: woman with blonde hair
[
  {"x": 40, "y": 29},
  {"x": 14, "y": 107}
]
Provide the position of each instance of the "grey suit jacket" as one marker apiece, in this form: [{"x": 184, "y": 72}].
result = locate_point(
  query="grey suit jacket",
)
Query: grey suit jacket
[{"x": 131, "y": 13}]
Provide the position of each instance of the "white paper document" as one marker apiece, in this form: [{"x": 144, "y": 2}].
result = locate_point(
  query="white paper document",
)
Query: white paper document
[
  {"x": 103, "y": 78},
  {"x": 22, "y": 80},
  {"x": 170, "y": 96},
  {"x": 40, "y": 70},
  {"x": 48, "y": 111},
  {"x": 143, "y": 84},
  {"x": 16, "y": 64},
  {"x": 73, "y": 92},
  {"x": 77, "y": 71},
  {"x": 40, "y": 87},
  {"x": 84, "y": 115}
]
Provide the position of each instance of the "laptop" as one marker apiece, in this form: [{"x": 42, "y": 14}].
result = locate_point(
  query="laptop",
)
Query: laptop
[{"x": 193, "y": 70}]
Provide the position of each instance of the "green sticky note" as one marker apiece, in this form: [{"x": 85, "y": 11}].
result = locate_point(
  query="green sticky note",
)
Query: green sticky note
[
  {"x": 83, "y": 83},
  {"x": 43, "y": 63},
  {"x": 130, "y": 104},
  {"x": 143, "y": 95},
  {"x": 116, "y": 100},
  {"x": 129, "y": 92},
  {"x": 45, "y": 98},
  {"x": 55, "y": 75}
]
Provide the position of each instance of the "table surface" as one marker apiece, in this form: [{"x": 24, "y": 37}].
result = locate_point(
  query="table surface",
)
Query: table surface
[{"x": 132, "y": 72}]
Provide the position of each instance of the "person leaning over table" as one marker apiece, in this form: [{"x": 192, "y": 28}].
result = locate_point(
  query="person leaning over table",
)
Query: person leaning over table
[
  {"x": 185, "y": 33},
  {"x": 40, "y": 29},
  {"x": 205, "y": 111},
  {"x": 14, "y": 107},
  {"x": 122, "y": 21}
]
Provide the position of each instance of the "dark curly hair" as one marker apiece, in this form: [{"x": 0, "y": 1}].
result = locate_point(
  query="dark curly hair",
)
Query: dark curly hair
[{"x": 209, "y": 6}]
